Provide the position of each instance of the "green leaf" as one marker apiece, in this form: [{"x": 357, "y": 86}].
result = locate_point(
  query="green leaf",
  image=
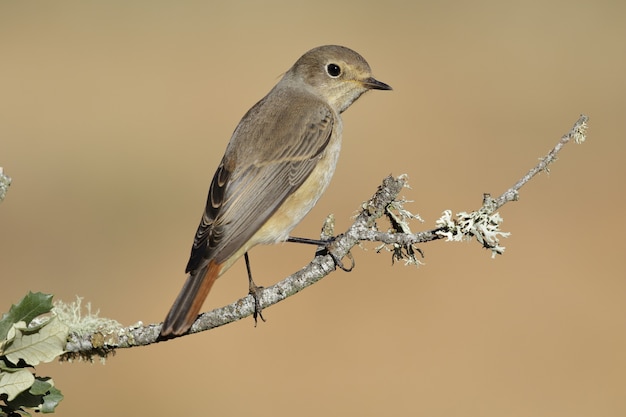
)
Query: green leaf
[
  {"x": 39, "y": 347},
  {"x": 41, "y": 386},
  {"x": 14, "y": 383},
  {"x": 26, "y": 400},
  {"x": 51, "y": 400},
  {"x": 6, "y": 366},
  {"x": 8, "y": 338},
  {"x": 29, "y": 307},
  {"x": 42, "y": 396}
]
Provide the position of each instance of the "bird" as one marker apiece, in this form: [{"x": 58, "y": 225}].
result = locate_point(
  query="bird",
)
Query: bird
[{"x": 277, "y": 164}]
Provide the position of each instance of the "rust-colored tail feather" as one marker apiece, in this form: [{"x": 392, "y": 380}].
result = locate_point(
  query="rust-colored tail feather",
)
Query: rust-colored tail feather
[{"x": 189, "y": 302}]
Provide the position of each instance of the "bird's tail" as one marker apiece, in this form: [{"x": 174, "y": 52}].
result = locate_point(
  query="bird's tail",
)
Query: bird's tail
[{"x": 188, "y": 303}]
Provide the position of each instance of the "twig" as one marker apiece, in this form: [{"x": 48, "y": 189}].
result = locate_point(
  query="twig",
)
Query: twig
[
  {"x": 84, "y": 346},
  {"x": 481, "y": 224},
  {"x": 5, "y": 182},
  {"x": 578, "y": 133}
]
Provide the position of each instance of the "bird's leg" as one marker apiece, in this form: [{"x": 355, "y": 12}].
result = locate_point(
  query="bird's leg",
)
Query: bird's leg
[
  {"x": 255, "y": 291},
  {"x": 323, "y": 249}
]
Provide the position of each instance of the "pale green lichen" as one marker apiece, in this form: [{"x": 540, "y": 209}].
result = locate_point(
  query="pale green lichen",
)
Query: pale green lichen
[
  {"x": 100, "y": 330},
  {"x": 5, "y": 182},
  {"x": 579, "y": 132},
  {"x": 72, "y": 315},
  {"x": 399, "y": 218},
  {"x": 483, "y": 224}
]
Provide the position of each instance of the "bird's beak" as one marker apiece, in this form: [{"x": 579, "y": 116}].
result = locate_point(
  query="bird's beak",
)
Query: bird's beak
[{"x": 373, "y": 84}]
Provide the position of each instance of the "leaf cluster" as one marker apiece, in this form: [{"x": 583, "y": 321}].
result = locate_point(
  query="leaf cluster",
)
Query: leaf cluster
[{"x": 29, "y": 335}]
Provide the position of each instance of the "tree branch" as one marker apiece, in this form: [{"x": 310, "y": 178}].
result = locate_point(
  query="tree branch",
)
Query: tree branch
[
  {"x": 482, "y": 224},
  {"x": 5, "y": 182},
  {"x": 87, "y": 344},
  {"x": 578, "y": 133}
]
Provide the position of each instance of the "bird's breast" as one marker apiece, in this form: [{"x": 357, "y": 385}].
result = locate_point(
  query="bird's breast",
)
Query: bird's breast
[{"x": 301, "y": 201}]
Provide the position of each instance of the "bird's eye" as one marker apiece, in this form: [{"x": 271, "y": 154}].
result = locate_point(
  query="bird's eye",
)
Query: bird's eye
[{"x": 333, "y": 70}]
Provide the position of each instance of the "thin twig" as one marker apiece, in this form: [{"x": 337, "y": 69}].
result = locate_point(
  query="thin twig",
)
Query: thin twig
[
  {"x": 5, "y": 182},
  {"x": 364, "y": 228},
  {"x": 83, "y": 346},
  {"x": 577, "y": 133}
]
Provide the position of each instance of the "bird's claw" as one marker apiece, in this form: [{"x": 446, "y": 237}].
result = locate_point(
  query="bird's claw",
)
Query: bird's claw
[{"x": 256, "y": 291}]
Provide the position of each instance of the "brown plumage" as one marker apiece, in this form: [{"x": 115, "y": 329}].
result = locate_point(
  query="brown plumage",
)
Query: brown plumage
[{"x": 277, "y": 164}]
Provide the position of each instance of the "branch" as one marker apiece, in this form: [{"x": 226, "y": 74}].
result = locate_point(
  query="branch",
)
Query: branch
[
  {"x": 578, "y": 133},
  {"x": 5, "y": 182},
  {"x": 86, "y": 345},
  {"x": 481, "y": 224}
]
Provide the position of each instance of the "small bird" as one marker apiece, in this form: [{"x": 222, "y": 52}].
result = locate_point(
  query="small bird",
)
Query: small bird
[{"x": 279, "y": 161}]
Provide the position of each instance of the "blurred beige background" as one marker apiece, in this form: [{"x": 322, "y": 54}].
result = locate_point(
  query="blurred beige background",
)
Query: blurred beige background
[{"x": 114, "y": 115}]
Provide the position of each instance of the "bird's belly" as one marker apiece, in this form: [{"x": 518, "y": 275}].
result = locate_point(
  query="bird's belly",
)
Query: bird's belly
[{"x": 298, "y": 204}]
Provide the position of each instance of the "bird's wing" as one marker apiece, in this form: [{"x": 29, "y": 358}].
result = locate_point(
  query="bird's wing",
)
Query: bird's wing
[{"x": 271, "y": 154}]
